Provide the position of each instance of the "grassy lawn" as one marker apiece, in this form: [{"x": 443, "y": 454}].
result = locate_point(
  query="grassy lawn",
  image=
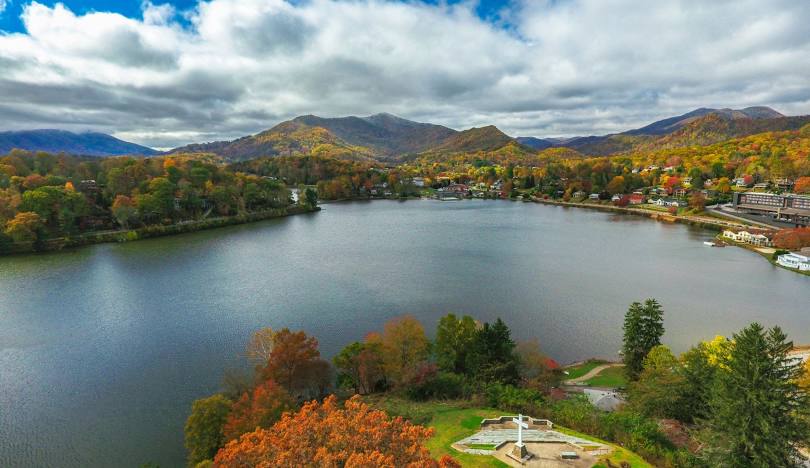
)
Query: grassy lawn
[
  {"x": 610, "y": 377},
  {"x": 455, "y": 420},
  {"x": 618, "y": 456},
  {"x": 581, "y": 369}
]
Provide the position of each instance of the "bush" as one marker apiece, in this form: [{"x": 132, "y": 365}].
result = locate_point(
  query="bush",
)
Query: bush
[
  {"x": 438, "y": 386},
  {"x": 511, "y": 398}
]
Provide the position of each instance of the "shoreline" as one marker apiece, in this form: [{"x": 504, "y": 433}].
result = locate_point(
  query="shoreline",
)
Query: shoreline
[
  {"x": 156, "y": 230},
  {"x": 717, "y": 226}
]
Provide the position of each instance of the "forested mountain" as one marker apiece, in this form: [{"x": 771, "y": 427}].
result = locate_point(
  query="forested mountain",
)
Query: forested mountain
[
  {"x": 291, "y": 138},
  {"x": 60, "y": 141},
  {"x": 699, "y": 127},
  {"x": 536, "y": 143},
  {"x": 487, "y": 138},
  {"x": 387, "y": 134}
]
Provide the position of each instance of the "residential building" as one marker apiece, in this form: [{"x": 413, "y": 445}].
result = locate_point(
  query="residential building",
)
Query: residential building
[
  {"x": 791, "y": 208},
  {"x": 760, "y": 239},
  {"x": 579, "y": 194},
  {"x": 418, "y": 181},
  {"x": 636, "y": 199},
  {"x": 794, "y": 260},
  {"x": 594, "y": 196}
]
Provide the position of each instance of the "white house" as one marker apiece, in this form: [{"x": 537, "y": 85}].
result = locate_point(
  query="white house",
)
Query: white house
[
  {"x": 748, "y": 238},
  {"x": 419, "y": 181},
  {"x": 615, "y": 198},
  {"x": 594, "y": 196},
  {"x": 794, "y": 260},
  {"x": 659, "y": 202}
]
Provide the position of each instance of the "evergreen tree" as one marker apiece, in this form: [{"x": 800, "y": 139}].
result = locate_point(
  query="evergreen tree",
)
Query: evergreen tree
[
  {"x": 643, "y": 329},
  {"x": 759, "y": 411},
  {"x": 493, "y": 357}
]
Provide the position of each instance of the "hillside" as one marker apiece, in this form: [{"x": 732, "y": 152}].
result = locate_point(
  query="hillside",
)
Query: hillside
[
  {"x": 291, "y": 138},
  {"x": 386, "y": 134},
  {"x": 691, "y": 127},
  {"x": 60, "y": 141},
  {"x": 717, "y": 127},
  {"x": 535, "y": 143},
  {"x": 487, "y": 138}
]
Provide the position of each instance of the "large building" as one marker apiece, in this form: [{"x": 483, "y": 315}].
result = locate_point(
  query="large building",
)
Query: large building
[{"x": 789, "y": 208}]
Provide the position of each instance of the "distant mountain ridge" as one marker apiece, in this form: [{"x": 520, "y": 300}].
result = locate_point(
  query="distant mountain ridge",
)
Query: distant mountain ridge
[
  {"x": 61, "y": 141},
  {"x": 380, "y": 136},
  {"x": 703, "y": 126}
]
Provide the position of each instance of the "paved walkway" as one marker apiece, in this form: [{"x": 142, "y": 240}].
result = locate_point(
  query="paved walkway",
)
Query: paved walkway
[
  {"x": 591, "y": 374},
  {"x": 498, "y": 436}
]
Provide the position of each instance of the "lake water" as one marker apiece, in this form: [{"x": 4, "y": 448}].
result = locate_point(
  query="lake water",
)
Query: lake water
[{"x": 103, "y": 349}]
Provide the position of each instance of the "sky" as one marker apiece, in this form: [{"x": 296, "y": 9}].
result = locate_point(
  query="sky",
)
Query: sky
[{"x": 168, "y": 74}]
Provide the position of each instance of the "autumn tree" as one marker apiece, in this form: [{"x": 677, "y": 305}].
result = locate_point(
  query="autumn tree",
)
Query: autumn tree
[
  {"x": 659, "y": 388},
  {"x": 331, "y": 435},
  {"x": 259, "y": 408},
  {"x": 24, "y": 227},
  {"x": 261, "y": 346},
  {"x": 360, "y": 366},
  {"x": 203, "y": 430},
  {"x": 124, "y": 210},
  {"x": 616, "y": 185},
  {"x": 404, "y": 345},
  {"x": 697, "y": 201},
  {"x": 643, "y": 329},
  {"x": 802, "y": 185},
  {"x": 295, "y": 363},
  {"x": 537, "y": 370}
]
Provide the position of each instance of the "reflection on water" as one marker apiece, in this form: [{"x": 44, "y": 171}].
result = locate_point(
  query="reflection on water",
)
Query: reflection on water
[{"x": 102, "y": 349}]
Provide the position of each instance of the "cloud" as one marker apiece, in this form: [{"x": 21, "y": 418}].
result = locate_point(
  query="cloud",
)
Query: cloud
[
  {"x": 546, "y": 67},
  {"x": 3, "y": 5}
]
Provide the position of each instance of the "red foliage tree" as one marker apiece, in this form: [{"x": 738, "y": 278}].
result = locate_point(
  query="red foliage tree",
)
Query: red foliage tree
[
  {"x": 802, "y": 185},
  {"x": 295, "y": 362},
  {"x": 792, "y": 239},
  {"x": 328, "y": 435},
  {"x": 260, "y": 408}
]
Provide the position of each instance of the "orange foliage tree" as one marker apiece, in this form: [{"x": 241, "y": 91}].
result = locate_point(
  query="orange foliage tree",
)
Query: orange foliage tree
[
  {"x": 261, "y": 407},
  {"x": 405, "y": 346},
  {"x": 792, "y": 239},
  {"x": 328, "y": 435},
  {"x": 802, "y": 185},
  {"x": 294, "y": 362}
]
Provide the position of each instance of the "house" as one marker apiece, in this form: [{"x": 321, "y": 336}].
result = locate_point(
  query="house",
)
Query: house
[
  {"x": 761, "y": 186},
  {"x": 418, "y": 181},
  {"x": 783, "y": 183},
  {"x": 579, "y": 194},
  {"x": 593, "y": 196},
  {"x": 605, "y": 400},
  {"x": 679, "y": 192},
  {"x": 659, "y": 202},
  {"x": 616, "y": 198},
  {"x": 795, "y": 261},
  {"x": 636, "y": 199},
  {"x": 687, "y": 181},
  {"x": 759, "y": 239}
]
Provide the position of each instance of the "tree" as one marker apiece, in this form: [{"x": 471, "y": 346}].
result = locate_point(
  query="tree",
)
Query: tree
[
  {"x": 802, "y": 185},
  {"x": 537, "y": 370},
  {"x": 697, "y": 201},
  {"x": 294, "y": 362},
  {"x": 330, "y": 435},
  {"x": 493, "y": 357},
  {"x": 616, "y": 185},
  {"x": 124, "y": 210},
  {"x": 454, "y": 338},
  {"x": 203, "y": 428},
  {"x": 759, "y": 411},
  {"x": 643, "y": 329},
  {"x": 24, "y": 227},
  {"x": 261, "y": 407},
  {"x": 260, "y": 346},
  {"x": 657, "y": 392},
  {"x": 405, "y": 346}
]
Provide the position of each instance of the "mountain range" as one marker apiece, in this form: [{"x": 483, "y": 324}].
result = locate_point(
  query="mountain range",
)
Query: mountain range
[
  {"x": 385, "y": 137},
  {"x": 61, "y": 141}
]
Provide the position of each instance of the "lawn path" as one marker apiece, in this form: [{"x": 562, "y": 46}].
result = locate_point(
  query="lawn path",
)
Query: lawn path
[{"x": 591, "y": 374}]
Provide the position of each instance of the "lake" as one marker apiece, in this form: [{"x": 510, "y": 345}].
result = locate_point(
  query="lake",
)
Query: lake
[{"x": 103, "y": 349}]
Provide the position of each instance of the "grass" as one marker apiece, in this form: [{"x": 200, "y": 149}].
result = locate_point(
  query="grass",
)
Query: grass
[
  {"x": 455, "y": 420},
  {"x": 610, "y": 377},
  {"x": 616, "y": 457},
  {"x": 482, "y": 446},
  {"x": 579, "y": 370}
]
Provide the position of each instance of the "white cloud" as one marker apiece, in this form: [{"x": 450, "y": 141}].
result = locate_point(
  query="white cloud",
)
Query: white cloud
[
  {"x": 559, "y": 68},
  {"x": 3, "y": 5}
]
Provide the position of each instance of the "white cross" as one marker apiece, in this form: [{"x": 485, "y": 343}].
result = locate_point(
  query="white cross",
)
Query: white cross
[{"x": 521, "y": 425}]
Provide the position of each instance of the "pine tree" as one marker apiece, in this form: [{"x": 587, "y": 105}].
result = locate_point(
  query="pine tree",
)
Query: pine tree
[
  {"x": 643, "y": 329},
  {"x": 759, "y": 411}
]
